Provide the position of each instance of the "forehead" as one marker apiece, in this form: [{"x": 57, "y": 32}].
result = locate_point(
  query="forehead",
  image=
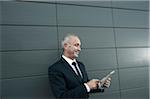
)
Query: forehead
[{"x": 75, "y": 40}]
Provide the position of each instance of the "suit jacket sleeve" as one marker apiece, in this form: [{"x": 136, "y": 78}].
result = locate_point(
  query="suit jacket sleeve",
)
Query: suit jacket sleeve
[
  {"x": 94, "y": 90},
  {"x": 59, "y": 87}
]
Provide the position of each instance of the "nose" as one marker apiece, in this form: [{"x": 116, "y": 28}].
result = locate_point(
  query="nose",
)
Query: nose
[{"x": 79, "y": 48}]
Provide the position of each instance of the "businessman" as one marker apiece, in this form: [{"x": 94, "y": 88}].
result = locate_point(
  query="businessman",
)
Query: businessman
[{"x": 68, "y": 77}]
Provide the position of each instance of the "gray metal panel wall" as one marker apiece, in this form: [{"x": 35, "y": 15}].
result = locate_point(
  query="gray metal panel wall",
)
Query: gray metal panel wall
[
  {"x": 29, "y": 47},
  {"x": 84, "y": 16},
  {"x": 114, "y": 36},
  {"x": 28, "y": 13},
  {"x": 0, "y": 66}
]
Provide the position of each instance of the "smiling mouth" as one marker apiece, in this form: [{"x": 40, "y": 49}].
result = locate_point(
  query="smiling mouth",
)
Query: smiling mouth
[{"x": 77, "y": 52}]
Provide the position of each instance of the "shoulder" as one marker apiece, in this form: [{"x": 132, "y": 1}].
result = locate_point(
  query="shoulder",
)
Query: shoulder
[{"x": 56, "y": 66}]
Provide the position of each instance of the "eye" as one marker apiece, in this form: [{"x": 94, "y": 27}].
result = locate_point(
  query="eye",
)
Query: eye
[{"x": 77, "y": 44}]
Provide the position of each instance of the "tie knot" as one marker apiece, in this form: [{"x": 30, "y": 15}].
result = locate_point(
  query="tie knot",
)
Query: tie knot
[{"x": 73, "y": 63}]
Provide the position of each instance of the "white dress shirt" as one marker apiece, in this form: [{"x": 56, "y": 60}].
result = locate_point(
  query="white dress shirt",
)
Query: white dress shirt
[{"x": 70, "y": 63}]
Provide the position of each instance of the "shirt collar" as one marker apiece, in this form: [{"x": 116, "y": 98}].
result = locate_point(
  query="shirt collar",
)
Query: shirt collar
[{"x": 68, "y": 59}]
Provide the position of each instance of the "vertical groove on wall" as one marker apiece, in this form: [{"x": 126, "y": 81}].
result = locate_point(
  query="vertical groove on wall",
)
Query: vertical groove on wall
[
  {"x": 116, "y": 49},
  {"x": 57, "y": 31},
  {"x": 0, "y": 53}
]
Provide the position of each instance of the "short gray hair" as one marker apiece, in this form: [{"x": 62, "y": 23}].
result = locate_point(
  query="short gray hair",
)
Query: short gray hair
[{"x": 67, "y": 38}]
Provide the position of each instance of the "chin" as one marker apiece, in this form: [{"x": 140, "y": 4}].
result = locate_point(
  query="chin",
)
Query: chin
[{"x": 76, "y": 55}]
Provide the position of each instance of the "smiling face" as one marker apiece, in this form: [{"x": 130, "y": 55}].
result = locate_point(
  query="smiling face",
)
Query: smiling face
[{"x": 72, "y": 47}]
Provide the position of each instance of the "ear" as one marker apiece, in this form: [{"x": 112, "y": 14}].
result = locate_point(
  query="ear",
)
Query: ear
[{"x": 65, "y": 46}]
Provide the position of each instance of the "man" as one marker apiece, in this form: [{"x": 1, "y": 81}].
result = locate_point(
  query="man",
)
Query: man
[{"x": 68, "y": 77}]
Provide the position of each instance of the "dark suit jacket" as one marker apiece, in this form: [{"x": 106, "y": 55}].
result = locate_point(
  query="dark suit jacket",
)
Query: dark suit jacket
[{"x": 65, "y": 83}]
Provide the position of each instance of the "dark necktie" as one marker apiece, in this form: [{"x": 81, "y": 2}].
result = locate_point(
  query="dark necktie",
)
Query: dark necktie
[{"x": 74, "y": 64}]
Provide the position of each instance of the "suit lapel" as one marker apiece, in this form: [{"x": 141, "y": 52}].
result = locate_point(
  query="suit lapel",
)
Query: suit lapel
[
  {"x": 71, "y": 70},
  {"x": 84, "y": 75}
]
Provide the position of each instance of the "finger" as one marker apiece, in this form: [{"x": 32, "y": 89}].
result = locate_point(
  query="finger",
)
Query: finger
[
  {"x": 107, "y": 82},
  {"x": 97, "y": 80},
  {"x": 106, "y": 85},
  {"x": 109, "y": 79}
]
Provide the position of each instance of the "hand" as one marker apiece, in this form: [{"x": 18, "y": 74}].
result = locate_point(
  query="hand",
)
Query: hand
[
  {"x": 93, "y": 84},
  {"x": 107, "y": 83}
]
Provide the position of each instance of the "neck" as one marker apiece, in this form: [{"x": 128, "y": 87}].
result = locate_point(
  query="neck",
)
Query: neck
[{"x": 67, "y": 55}]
